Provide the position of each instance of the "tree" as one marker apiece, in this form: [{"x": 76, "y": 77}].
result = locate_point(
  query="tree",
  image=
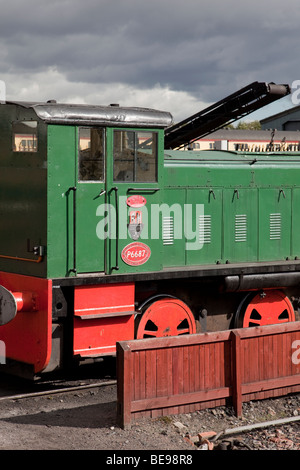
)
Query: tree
[{"x": 246, "y": 125}]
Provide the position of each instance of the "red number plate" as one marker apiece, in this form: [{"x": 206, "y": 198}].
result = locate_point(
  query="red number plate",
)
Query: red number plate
[{"x": 135, "y": 254}]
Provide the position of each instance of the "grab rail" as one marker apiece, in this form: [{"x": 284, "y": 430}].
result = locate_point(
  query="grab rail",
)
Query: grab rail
[
  {"x": 73, "y": 188},
  {"x": 116, "y": 267}
]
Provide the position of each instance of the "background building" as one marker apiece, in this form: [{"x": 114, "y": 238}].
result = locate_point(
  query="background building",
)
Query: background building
[
  {"x": 249, "y": 140},
  {"x": 288, "y": 120}
]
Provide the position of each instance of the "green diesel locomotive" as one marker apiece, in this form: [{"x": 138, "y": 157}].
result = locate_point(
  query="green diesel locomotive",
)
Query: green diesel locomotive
[{"x": 108, "y": 233}]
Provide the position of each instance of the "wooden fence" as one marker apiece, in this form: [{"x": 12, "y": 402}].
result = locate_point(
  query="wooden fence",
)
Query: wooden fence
[{"x": 182, "y": 374}]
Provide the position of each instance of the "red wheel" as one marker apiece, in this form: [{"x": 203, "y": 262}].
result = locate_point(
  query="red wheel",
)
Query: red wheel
[
  {"x": 166, "y": 317},
  {"x": 267, "y": 308}
]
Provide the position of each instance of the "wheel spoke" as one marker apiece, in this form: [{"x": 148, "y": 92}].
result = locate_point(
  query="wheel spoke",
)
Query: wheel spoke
[
  {"x": 150, "y": 333},
  {"x": 183, "y": 332}
]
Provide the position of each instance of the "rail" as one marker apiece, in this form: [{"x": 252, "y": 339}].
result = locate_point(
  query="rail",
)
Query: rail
[{"x": 54, "y": 391}]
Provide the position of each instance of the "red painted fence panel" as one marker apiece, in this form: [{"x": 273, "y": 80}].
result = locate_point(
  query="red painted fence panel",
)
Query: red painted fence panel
[{"x": 182, "y": 374}]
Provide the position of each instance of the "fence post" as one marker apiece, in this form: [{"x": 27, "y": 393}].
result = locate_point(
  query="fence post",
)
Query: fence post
[
  {"x": 236, "y": 373},
  {"x": 124, "y": 380}
]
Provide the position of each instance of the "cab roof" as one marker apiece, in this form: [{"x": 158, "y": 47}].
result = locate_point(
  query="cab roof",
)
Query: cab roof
[{"x": 113, "y": 115}]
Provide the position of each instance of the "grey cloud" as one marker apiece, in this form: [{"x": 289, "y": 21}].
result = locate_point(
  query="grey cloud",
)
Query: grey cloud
[{"x": 207, "y": 48}]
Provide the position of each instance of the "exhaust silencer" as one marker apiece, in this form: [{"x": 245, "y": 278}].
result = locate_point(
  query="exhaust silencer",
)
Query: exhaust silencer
[{"x": 260, "y": 281}]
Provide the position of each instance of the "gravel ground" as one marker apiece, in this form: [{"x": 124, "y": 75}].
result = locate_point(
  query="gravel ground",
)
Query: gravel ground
[{"x": 86, "y": 420}]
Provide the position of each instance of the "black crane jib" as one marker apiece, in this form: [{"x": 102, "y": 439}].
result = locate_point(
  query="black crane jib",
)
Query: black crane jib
[{"x": 233, "y": 107}]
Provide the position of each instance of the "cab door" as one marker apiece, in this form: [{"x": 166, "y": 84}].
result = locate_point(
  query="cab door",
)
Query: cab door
[
  {"x": 89, "y": 193},
  {"x": 134, "y": 192}
]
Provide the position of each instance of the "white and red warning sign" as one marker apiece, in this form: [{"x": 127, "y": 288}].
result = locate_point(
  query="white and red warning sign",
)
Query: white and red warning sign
[
  {"x": 136, "y": 254},
  {"x": 136, "y": 201}
]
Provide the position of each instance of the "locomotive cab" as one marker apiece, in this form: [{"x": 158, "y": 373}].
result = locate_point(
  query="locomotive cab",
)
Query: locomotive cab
[{"x": 76, "y": 184}]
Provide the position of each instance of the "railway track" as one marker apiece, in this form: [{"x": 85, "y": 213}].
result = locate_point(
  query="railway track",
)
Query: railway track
[
  {"x": 57, "y": 391},
  {"x": 88, "y": 377},
  {"x": 52, "y": 405}
]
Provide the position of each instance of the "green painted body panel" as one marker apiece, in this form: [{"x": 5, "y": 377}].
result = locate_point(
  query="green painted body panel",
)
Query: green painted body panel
[
  {"x": 295, "y": 230},
  {"x": 172, "y": 227},
  {"x": 275, "y": 223},
  {"x": 204, "y": 243},
  {"x": 61, "y": 176},
  {"x": 255, "y": 216},
  {"x": 240, "y": 221},
  {"x": 89, "y": 247},
  {"x": 23, "y": 202}
]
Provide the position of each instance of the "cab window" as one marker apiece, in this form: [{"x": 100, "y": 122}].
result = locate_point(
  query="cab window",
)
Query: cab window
[
  {"x": 135, "y": 156},
  {"x": 91, "y": 154},
  {"x": 24, "y": 136}
]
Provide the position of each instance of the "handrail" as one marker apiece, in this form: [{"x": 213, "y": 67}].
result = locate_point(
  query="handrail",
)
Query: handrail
[
  {"x": 116, "y": 267},
  {"x": 73, "y": 188},
  {"x": 141, "y": 190}
]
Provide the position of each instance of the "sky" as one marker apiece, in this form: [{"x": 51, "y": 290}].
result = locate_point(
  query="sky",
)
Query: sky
[{"x": 176, "y": 56}]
